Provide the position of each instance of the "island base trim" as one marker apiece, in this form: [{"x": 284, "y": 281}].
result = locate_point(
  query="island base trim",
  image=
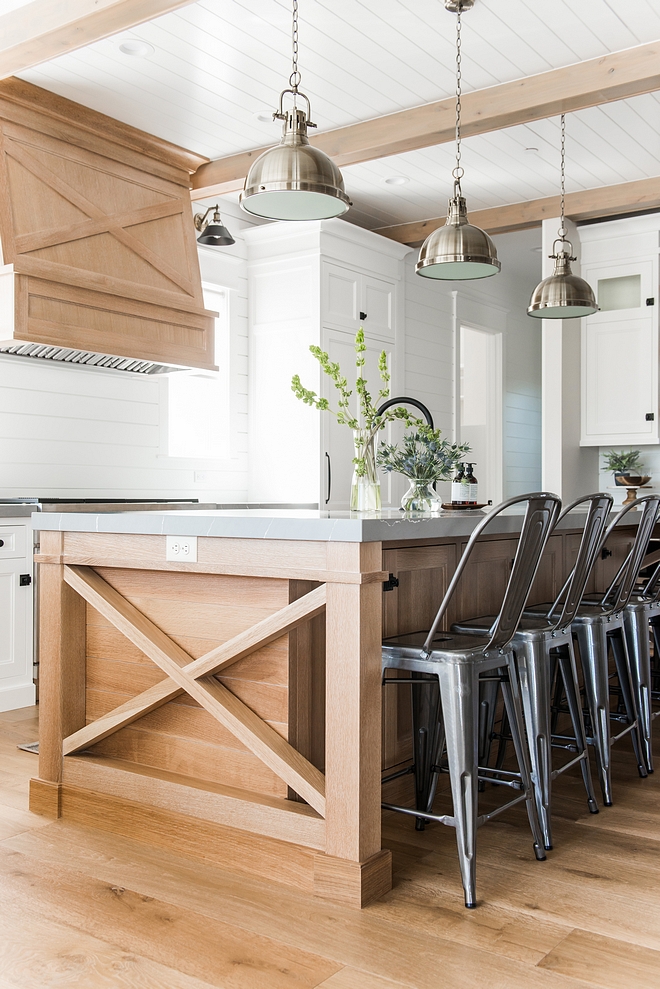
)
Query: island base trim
[
  {"x": 355, "y": 884},
  {"x": 45, "y": 797}
]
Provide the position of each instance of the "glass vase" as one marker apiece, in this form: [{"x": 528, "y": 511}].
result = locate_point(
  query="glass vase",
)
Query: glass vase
[
  {"x": 420, "y": 497},
  {"x": 365, "y": 487}
]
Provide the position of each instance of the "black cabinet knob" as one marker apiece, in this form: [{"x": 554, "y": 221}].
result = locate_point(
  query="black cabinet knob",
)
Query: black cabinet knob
[
  {"x": 363, "y": 315},
  {"x": 2, "y": 542}
]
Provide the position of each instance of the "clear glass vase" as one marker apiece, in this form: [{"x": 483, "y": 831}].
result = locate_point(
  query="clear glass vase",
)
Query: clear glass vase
[
  {"x": 420, "y": 497},
  {"x": 365, "y": 488}
]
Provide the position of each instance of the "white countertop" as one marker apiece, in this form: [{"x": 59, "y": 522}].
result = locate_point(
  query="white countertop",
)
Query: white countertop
[{"x": 385, "y": 526}]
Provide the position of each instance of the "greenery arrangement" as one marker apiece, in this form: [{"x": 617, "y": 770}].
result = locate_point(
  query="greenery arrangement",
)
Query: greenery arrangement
[
  {"x": 365, "y": 417},
  {"x": 422, "y": 455},
  {"x": 623, "y": 462}
]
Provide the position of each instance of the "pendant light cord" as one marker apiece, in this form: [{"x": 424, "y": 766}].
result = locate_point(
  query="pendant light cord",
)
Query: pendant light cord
[
  {"x": 563, "y": 232},
  {"x": 458, "y": 171},
  {"x": 294, "y": 78}
]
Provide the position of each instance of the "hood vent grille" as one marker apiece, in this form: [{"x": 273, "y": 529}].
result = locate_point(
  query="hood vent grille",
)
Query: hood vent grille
[{"x": 68, "y": 356}]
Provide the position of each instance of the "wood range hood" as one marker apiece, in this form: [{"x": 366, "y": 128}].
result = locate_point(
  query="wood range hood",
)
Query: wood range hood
[{"x": 98, "y": 243}]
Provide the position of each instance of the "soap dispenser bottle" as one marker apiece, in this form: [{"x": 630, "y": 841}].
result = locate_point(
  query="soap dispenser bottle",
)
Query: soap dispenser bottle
[
  {"x": 471, "y": 485},
  {"x": 457, "y": 486}
]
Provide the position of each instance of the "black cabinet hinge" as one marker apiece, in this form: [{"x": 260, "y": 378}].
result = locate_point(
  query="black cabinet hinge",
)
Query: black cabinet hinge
[
  {"x": 390, "y": 583},
  {"x": 363, "y": 316}
]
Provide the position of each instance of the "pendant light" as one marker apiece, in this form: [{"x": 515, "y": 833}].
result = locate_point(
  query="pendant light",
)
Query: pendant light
[
  {"x": 563, "y": 295},
  {"x": 212, "y": 232},
  {"x": 294, "y": 181},
  {"x": 458, "y": 250}
]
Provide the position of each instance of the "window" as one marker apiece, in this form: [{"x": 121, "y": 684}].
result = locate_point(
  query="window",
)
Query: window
[
  {"x": 198, "y": 414},
  {"x": 624, "y": 292}
]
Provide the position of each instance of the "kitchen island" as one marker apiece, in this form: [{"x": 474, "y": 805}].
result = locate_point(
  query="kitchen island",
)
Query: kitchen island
[{"x": 229, "y": 707}]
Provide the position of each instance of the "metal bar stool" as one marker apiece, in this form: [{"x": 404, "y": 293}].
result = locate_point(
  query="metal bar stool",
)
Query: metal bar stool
[
  {"x": 599, "y": 624},
  {"x": 455, "y": 663},
  {"x": 543, "y": 646},
  {"x": 640, "y": 617}
]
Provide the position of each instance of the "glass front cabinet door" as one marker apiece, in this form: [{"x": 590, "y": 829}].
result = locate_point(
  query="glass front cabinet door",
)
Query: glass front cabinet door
[{"x": 620, "y": 355}]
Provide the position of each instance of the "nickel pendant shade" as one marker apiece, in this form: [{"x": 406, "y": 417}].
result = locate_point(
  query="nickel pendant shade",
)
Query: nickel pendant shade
[
  {"x": 459, "y": 250},
  {"x": 294, "y": 181},
  {"x": 563, "y": 295}
]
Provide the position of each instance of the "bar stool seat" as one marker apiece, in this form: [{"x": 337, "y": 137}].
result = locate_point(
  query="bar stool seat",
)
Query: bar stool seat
[{"x": 445, "y": 674}]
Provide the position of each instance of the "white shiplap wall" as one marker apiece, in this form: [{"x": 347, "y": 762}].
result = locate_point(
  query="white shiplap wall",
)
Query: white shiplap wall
[
  {"x": 71, "y": 431},
  {"x": 498, "y": 303}
]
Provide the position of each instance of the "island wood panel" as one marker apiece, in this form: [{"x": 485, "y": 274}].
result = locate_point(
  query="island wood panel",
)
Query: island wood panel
[{"x": 199, "y": 612}]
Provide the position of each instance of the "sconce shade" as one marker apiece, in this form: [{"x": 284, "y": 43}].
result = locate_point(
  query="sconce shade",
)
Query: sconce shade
[
  {"x": 213, "y": 233},
  {"x": 216, "y": 235},
  {"x": 563, "y": 295},
  {"x": 458, "y": 250},
  {"x": 294, "y": 181}
]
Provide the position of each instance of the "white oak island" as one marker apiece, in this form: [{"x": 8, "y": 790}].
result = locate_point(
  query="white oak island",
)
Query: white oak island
[{"x": 231, "y": 708}]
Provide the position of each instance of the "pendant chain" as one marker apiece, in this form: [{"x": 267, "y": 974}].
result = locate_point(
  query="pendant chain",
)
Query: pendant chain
[
  {"x": 294, "y": 78},
  {"x": 562, "y": 229},
  {"x": 458, "y": 171}
]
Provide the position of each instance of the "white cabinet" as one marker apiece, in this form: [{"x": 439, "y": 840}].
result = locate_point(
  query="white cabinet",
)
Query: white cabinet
[
  {"x": 16, "y": 638},
  {"x": 620, "y": 401},
  {"x": 351, "y": 299},
  {"x": 315, "y": 283}
]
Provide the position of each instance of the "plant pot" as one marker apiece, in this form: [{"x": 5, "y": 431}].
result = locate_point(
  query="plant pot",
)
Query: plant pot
[{"x": 420, "y": 497}]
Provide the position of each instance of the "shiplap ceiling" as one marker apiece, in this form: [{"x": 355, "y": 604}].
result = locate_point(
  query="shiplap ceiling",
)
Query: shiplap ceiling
[{"x": 218, "y": 64}]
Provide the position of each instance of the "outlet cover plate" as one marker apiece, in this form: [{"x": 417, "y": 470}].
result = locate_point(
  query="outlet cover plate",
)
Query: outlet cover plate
[{"x": 181, "y": 549}]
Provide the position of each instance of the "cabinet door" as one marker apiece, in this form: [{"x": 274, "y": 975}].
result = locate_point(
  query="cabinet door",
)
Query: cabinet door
[
  {"x": 15, "y": 635},
  {"x": 341, "y": 297},
  {"x": 338, "y": 449},
  {"x": 620, "y": 357},
  {"x": 379, "y": 303}
]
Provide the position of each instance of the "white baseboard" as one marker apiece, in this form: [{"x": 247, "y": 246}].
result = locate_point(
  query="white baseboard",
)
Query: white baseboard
[{"x": 13, "y": 698}]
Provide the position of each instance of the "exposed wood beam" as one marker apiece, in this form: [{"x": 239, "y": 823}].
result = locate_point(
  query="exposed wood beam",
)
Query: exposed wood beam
[
  {"x": 44, "y": 29},
  {"x": 611, "y": 200},
  {"x": 599, "y": 80}
]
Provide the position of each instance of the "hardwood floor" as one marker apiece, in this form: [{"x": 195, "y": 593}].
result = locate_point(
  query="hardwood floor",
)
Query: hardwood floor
[{"x": 92, "y": 910}]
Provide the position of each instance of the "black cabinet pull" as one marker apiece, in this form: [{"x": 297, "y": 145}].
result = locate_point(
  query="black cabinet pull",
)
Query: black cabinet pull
[
  {"x": 363, "y": 315},
  {"x": 25, "y": 580},
  {"x": 329, "y": 489},
  {"x": 650, "y": 416}
]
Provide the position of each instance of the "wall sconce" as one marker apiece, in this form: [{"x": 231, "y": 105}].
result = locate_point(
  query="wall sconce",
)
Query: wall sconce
[{"x": 213, "y": 232}]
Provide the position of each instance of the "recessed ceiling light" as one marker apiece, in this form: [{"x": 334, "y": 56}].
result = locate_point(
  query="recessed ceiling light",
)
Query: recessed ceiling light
[
  {"x": 137, "y": 48},
  {"x": 397, "y": 180},
  {"x": 263, "y": 116}
]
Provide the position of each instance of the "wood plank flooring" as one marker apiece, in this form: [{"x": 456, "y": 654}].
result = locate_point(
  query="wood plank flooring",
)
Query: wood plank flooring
[{"x": 91, "y": 910}]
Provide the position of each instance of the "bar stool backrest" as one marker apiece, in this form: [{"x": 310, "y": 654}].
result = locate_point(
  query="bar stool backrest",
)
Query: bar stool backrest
[
  {"x": 541, "y": 512},
  {"x": 619, "y": 592},
  {"x": 600, "y": 506}
]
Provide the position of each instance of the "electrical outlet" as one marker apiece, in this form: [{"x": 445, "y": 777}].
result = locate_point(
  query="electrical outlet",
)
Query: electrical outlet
[{"x": 181, "y": 549}]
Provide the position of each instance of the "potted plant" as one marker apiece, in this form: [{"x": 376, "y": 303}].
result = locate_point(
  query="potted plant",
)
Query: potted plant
[
  {"x": 423, "y": 458},
  {"x": 626, "y": 466},
  {"x": 364, "y": 420}
]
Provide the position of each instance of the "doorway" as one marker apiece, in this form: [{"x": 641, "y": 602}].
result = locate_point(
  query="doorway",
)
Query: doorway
[{"x": 480, "y": 407}]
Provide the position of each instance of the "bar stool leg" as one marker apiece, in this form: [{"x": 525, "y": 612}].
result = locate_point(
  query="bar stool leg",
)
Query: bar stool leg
[
  {"x": 568, "y": 674},
  {"x": 636, "y": 624},
  {"x": 622, "y": 662},
  {"x": 534, "y": 664},
  {"x": 592, "y": 642},
  {"x": 428, "y": 742},
  {"x": 489, "y": 691},
  {"x": 459, "y": 692},
  {"x": 512, "y": 702}
]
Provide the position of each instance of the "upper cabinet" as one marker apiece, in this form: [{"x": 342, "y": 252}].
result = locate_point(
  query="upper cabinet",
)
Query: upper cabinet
[
  {"x": 620, "y": 352},
  {"x": 315, "y": 283}
]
